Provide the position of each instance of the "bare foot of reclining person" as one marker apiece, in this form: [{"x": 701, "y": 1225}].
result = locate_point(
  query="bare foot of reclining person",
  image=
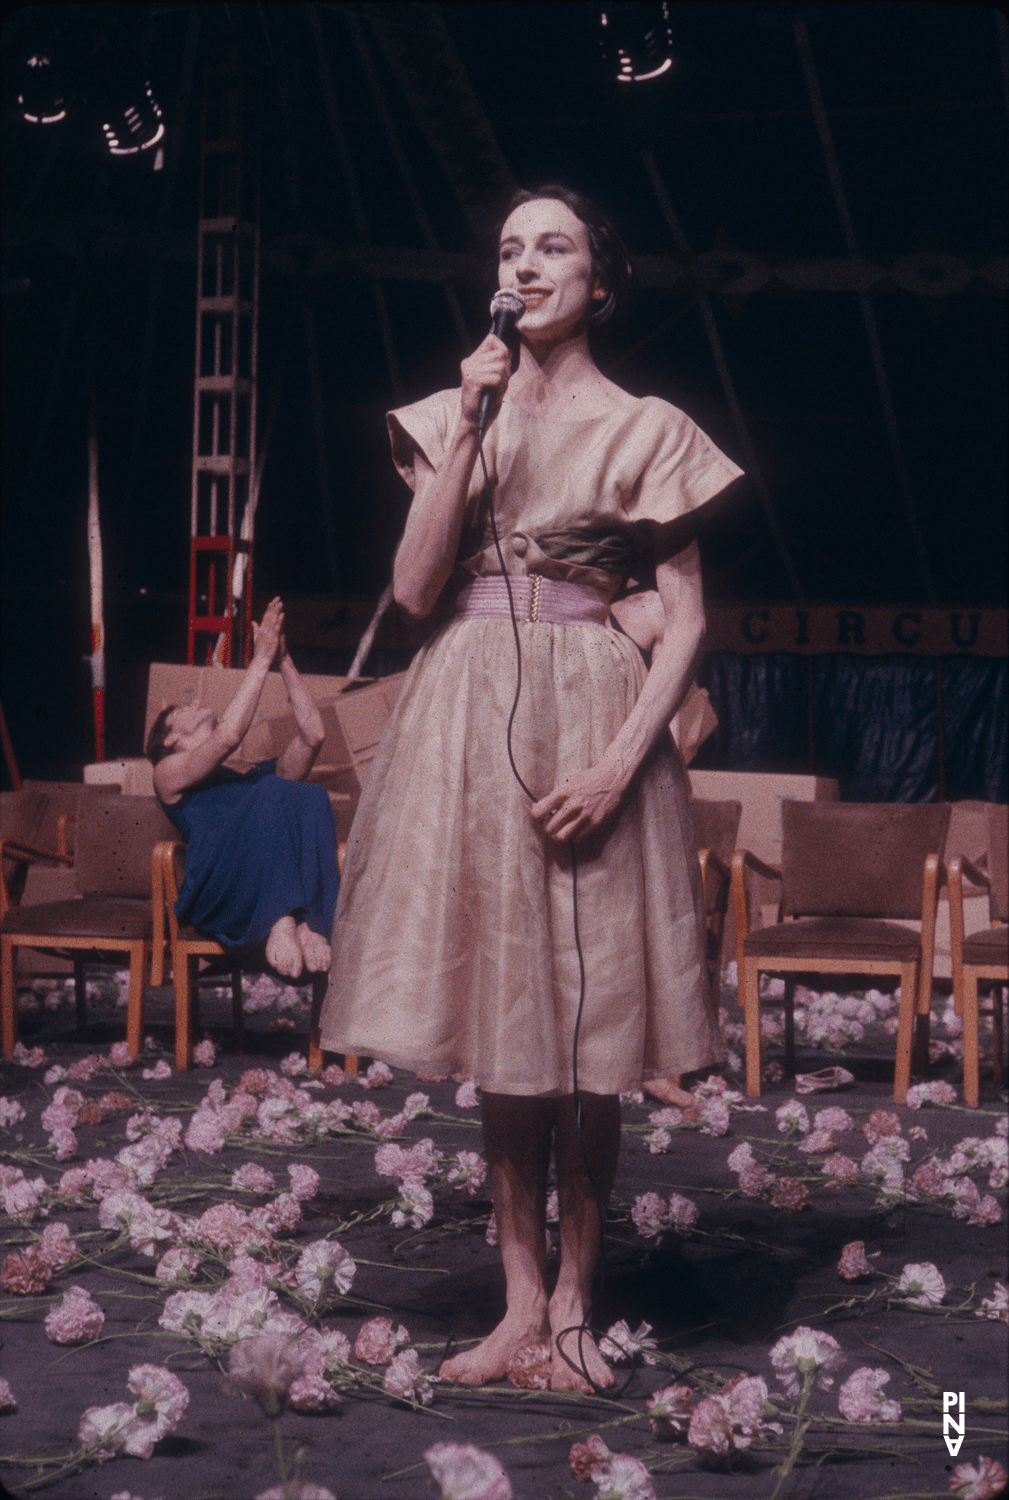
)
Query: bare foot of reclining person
[
  {"x": 591, "y": 1370},
  {"x": 314, "y": 948},
  {"x": 283, "y": 951},
  {"x": 667, "y": 1091},
  {"x": 490, "y": 1359}
]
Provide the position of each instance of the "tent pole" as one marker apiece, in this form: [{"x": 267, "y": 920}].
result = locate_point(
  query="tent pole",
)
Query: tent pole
[
  {"x": 865, "y": 302},
  {"x": 400, "y": 158},
  {"x": 356, "y": 206},
  {"x": 725, "y": 375}
]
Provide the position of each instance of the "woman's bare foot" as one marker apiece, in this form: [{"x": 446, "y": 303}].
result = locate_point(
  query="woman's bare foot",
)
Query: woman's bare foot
[
  {"x": 315, "y": 949},
  {"x": 491, "y": 1358},
  {"x": 591, "y": 1370},
  {"x": 283, "y": 951},
  {"x": 668, "y": 1092}
]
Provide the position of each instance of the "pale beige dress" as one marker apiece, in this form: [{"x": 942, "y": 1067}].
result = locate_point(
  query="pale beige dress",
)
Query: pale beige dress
[{"x": 453, "y": 944}]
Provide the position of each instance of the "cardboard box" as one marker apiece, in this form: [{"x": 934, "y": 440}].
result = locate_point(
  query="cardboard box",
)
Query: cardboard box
[{"x": 133, "y": 777}]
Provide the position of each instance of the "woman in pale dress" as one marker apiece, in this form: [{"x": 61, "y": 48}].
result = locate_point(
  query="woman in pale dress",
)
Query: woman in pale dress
[{"x": 454, "y": 945}]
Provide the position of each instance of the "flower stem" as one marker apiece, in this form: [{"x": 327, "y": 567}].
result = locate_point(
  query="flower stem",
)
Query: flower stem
[
  {"x": 281, "y": 1466},
  {"x": 801, "y": 1424}
]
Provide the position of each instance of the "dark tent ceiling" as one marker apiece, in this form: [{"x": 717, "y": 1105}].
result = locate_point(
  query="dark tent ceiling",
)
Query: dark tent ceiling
[{"x": 815, "y": 199}]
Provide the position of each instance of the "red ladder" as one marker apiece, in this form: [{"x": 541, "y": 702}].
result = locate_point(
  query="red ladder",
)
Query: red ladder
[{"x": 224, "y": 417}]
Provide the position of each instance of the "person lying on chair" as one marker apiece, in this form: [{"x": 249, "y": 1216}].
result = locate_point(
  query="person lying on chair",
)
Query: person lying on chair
[{"x": 261, "y": 847}]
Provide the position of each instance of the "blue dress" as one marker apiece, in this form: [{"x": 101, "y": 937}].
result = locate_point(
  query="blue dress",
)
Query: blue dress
[{"x": 259, "y": 847}]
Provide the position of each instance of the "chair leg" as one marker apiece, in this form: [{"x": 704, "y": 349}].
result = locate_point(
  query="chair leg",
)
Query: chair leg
[
  {"x": 997, "y": 1031},
  {"x": 237, "y": 1011},
  {"x": 905, "y": 1032},
  {"x": 186, "y": 979},
  {"x": 350, "y": 1065},
  {"x": 80, "y": 997},
  {"x": 8, "y": 960},
  {"x": 789, "y": 1025},
  {"x": 971, "y": 1060},
  {"x": 749, "y": 998},
  {"x": 320, "y": 984},
  {"x": 135, "y": 1000}
]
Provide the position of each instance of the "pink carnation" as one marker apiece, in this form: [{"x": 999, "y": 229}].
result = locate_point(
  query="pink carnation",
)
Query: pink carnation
[
  {"x": 77, "y": 1320},
  {"x": 860, "y": 1398},
  {"x": 853, "y": 1262},
  {"x": 880, "y": 1124},
  {"x": 732, "y": 1419},
  {"x": 467, "y": 1473},
  {"x": 624, "y": 1477},
  {"x": 304, "y": 1181},
  {"x": 160, "y": 1071},
  {"x": 650, "y": 1214},
  {"x": 334, "y": 1077},
  {"x": 120, "y": 1055},
  {"x": 922, "y": 1285},
  {"x": 406, "y": 1381},
  {"x": 840, "y": 1169},
  {"x": 252, "y": 1178},
  {"x": 311, "y": 1392},
  {"x": 377, "y": 1076},
  {"x": 57, "y": 1246},
  {"x": 205, "y": 1054},
  {"x": 529, "y": 1368},
  {"x": 985, "y": 1482},
  {"x": 29, "y": 1058},
  {"x": 584, "y": 1457},
  {"x": 7, "y": 1399},
  {"x": 807, "y": 1351},
  {"x": 669, "y": 1413},
  {"x": 377, "y": 1342},
  {"x": 469, "y": 1170},
  {"x": 466, "y": 1095}
]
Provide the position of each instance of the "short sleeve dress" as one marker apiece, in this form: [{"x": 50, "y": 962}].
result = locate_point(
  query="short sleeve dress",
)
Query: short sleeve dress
[
  {"x": 258, "y": 847},
  {"x": 454, "y": 944}
]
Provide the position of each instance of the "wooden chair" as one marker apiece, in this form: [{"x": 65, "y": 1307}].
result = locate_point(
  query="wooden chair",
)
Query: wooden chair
[
  {"x": 110, "y": 915},
  {"x": 188, "y": 946},
  {"x": 981, "y": 955},
  {"x": 22, "y": 814},
  {"x": 716, "y": 826},
  {"x": 850, "y": 874}
]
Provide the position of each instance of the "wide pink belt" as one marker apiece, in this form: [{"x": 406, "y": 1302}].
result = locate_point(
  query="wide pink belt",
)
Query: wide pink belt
[{"x": 550, "y": 601}]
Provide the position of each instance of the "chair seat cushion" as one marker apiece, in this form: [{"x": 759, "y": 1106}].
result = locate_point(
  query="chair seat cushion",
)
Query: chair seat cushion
[
  {"x": 104, "y": 918},
  {"x": 990, "y": 947},
  {"x": 846, "y": 938}
]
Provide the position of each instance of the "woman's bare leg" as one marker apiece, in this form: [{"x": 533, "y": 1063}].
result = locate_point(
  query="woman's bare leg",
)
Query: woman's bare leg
[
  {"x": 517, "y": 1134},
  {"x": 283, "y": 951},
  {"x": 580, "y": 1239},
  {"x": 314, "y": 948}
]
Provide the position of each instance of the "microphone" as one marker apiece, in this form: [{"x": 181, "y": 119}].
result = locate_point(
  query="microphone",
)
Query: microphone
[{"x": 506, "y": 308}]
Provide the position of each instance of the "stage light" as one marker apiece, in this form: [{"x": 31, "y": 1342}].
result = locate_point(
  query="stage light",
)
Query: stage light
[
  {"x": 40, "y": 96},
  {"x": 636, "y": 40},
  {"x": 121, "y": 96},
  {"x": 134, "y": 127}
]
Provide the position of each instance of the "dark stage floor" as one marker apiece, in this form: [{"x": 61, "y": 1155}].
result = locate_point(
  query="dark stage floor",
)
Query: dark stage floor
[{"x": 718, "y": 1296}]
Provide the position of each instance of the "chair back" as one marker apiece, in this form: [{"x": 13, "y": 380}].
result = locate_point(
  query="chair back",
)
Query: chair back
[
  {"x": 998, "y": 859},
  {"x": 173, "y": 873},
  {"x": 858, "y": 859},
  {"x": 716, "y": 825},
  {"x": 22, "y": 814},
  {"x": 115, "y": 838},
  {"x": 63, "y": 798}
]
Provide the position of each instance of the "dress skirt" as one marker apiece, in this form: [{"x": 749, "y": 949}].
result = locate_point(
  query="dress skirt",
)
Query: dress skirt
[{"x": 454, "y": 947}]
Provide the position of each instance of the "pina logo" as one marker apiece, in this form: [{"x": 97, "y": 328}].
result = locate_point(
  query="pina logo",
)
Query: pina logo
[{"x": 952, "y": 1405}]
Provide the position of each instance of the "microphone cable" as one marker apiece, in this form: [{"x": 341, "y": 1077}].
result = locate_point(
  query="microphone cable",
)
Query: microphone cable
[{"x": 582, "y": 1329}]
